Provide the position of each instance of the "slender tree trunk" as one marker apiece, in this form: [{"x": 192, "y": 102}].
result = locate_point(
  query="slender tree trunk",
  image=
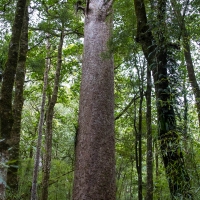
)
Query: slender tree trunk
[
  {"x": 139, "y": 167},
  {"x": 188, "y": 57},
  {"x": 139, "y": 135},
  {"x": 12, "y": 176},
  {"x": 136, "y": 143},
  {"x": 40, "y": 126},
  {"x": 156, "y": 55},
  {"x": 49, "y": 121},
  {"x": 136, "y": 149},
  {"x": 1, "y": 76},
  {"x": 157, "y": 190},
  {"x": 94, "y": 176},
  {"x": 149, "y": 195},
  {"x": 6, "y": 116},
  {"x": 185, "y": 115}
]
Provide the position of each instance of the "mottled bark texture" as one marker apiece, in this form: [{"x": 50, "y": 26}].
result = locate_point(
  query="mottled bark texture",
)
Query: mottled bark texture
[
  {"x": 49, "y": 122},
  {"x": 40, "y": 125},
  {"x": 12, "y": 176},
  {"x": 6, "y": 115},
  {"x": 155, "y": 52},
  {"x": 94, "y": 176}
]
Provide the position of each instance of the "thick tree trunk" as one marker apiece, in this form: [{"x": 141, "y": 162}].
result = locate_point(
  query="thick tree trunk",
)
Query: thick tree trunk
[
  {"x": 156, "y": 55},
  {"x": 6, "y": 116},
  {"x": 94, "y": 176},
  {"x": 49, "y": 121},
  {"x": 12, "y": 177},
  {"x": 149, "y": 195},
  {"x": 40, "y": 126}
]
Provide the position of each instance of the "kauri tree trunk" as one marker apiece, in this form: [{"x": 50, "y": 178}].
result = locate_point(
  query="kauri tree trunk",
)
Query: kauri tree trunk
[
  {"x": 6, "y": 115},
  {"x": 94, "y": 176},
  {"x": 155, "y": 52}
]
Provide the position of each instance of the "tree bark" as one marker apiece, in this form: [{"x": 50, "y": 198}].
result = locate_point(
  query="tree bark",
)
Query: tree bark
[
  {"x": 185, "y": 115},
  {"x": 139, "y": 141},
  {"x": 156, "y": 150},
  {"x": 191, "y": 73},
  {"x": 12, "y": 176},
  {"x": 188, "y": 57},
  {"x": 49, "y": 121},
  {"x": 138, "y": 130},
  {"x": 40, "y": 126},
  {"x": 155, "y": 52},
  {"x": 94, "y": 176},
  {"x": 6, "y": 115},
  {"x": 149, "y": 195}
]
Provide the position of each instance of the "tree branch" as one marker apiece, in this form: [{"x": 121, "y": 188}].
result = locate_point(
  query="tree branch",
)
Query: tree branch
[{"x": 127, "y": 107}]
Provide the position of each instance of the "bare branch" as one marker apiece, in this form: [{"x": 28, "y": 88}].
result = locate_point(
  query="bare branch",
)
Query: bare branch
[{"x": 127, "y": 107}]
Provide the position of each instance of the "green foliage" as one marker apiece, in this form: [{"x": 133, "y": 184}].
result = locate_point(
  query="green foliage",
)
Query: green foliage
[
  {"x": 60, "y": 186},
  {"x": 52, "y": 16}
]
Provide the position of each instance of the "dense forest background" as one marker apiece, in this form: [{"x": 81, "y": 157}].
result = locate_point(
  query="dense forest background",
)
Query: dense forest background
[{"x": 156, "y": 47}]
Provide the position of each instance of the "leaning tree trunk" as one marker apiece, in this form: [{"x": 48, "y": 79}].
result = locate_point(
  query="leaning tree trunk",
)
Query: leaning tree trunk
[
  {"x": 49, "y": 121},
  {"x": 187, "y": 55},
  {"x": 40, "y": 125},
  {"x": 94, "y": 176},
  {"x": 12, "y": 176},
  {"x": 190, "y": 70},
  {"x": 155, "y": 52},
  {"x": 6, "y": 116}
]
